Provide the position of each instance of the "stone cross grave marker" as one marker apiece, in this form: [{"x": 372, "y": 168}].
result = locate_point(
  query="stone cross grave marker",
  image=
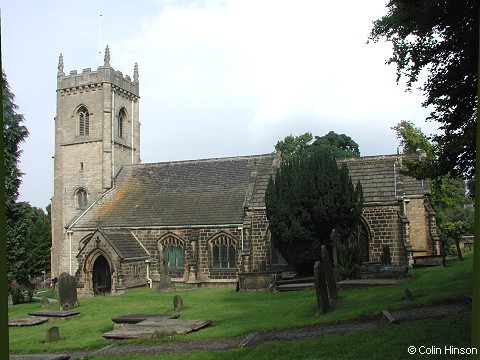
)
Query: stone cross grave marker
[{"x": 67, "y": 291}]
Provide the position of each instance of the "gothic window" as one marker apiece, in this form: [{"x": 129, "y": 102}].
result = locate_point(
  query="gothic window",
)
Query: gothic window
[
  {"x": 224, "y": 252},
  {"x": 172, "y": 252},
  {"x": 122, "y": 117},
  {"x": 81, "y": 198},
  {"x": 83, "y": 121}
]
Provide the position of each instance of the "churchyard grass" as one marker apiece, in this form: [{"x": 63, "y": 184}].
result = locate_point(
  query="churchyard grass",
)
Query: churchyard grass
[
  {"x": 232, "y": 313},
  {"x": 390, "y": 342}
]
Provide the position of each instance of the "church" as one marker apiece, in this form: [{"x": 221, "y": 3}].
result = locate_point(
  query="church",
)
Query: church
[{"x": 119, "y": 224}]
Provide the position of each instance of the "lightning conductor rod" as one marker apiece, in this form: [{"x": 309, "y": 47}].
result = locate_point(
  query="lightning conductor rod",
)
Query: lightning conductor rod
[{"x": 100, "y": 43}]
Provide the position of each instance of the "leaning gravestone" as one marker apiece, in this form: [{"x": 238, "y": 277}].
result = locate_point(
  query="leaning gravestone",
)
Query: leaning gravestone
[
  {"x": 329, "y": 275},
  {"x": 321, "y": 288},
  {"x": 67, "y": 291},
  {"x": 177, "y": 303}
]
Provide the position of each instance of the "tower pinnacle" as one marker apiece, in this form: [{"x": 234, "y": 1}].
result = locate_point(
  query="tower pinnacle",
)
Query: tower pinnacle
[
  {"x": 135, "y": 74},
  {"x": 60, "y": 66},
  {"x": 107, "y": 57}
]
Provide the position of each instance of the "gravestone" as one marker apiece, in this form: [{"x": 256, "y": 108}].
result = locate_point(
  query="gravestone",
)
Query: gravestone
[
  {"x": 408, "y": 294},
  {"x": 44, "y": 302},
  {"x": 386, "y": 258},
  {"x": 164, "y": 283},
  {"x": 329, "y": 275},
  {"x": 67, "y": 291},
  {"x": 320, "y": 288},
  {"x": 53, "y": 334},
  {"x": 177, "y": 303},
  {"x": 10, "y": 299}
]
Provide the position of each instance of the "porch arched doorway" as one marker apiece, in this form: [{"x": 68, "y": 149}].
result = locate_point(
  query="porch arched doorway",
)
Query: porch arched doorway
[
  {"x": 101, "y": 276},
  {"x": 364, "y": 237}
]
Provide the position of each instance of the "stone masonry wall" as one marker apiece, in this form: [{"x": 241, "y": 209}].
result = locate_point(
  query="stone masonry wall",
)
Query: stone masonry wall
[
  {"x": 260, "y": 241},
  {"x": 197, "y": 250},
  {"x": 419, "y": 226},
  {"x": 387, "y": 229}
]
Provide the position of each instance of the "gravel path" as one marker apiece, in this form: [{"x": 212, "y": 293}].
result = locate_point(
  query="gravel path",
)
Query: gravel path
[{"x": 444, "y": 308}]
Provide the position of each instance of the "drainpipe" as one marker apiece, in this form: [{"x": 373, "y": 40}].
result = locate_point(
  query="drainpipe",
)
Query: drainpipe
[
  {"x": 149, "y": 280},
  {"x": 241, "y": 235},
  {"x": 133, "y": 102},
  {"x": 70, "y": 251},
  {"x": 113, "y": 134},
  {"x": 395, "y": 180}
]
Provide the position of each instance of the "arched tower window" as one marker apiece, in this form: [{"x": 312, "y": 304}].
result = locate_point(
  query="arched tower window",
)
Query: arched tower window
[
  {"x": 122, "y": 118},
  {"x": 83, "y": 121},
  {"x": 81, "y": 198}
]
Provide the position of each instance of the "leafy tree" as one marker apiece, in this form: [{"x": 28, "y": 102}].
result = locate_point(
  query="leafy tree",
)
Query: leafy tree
[
  {"x": 439, "y": 38},
  {"x": 340, "y": 146},
  {"x": 293, "y": 146},
  {"x": 14, "y": 132},
  {"x": 305, "y": 203},
  {"x": 448, "y": 194}
]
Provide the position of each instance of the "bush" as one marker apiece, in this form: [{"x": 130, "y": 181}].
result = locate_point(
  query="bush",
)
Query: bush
[
  {"x": 21, "y": 294},
  {"x": 349, "y": 259}
]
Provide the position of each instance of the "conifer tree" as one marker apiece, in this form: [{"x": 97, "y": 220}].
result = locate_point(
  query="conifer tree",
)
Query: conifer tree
[
  {"x": 14, "y": 132},
  {"x": 309, "y": 197}
]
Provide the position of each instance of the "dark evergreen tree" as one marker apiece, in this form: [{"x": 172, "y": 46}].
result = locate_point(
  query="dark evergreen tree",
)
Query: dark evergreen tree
[
  {"x": 14, "y": 132},
  {"x": 303, "y": 206}
]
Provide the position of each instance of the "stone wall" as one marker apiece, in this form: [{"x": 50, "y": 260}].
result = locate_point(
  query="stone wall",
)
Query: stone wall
[
  {"x": 386, "y": 230},
  {"x": 419, "y": 225}
]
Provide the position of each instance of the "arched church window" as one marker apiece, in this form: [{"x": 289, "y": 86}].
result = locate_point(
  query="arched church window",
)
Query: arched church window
[
  {"x": 122, "y": 118},
  {"x": 81, "y": 198},
  {"x": 83, "y": 121},
  {"x": 172, "y": 252},
  {"x": 224, "y": 252}
]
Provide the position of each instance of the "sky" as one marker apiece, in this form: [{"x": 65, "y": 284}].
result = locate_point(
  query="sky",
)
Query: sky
[{"x": 217, "y": 78}]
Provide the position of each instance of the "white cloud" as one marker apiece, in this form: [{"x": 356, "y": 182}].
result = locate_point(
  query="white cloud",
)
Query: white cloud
[{"x": 217, "y": 78}]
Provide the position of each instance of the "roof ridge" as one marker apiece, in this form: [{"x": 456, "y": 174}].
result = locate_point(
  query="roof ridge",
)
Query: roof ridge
[{"x": 206, "y": 160}]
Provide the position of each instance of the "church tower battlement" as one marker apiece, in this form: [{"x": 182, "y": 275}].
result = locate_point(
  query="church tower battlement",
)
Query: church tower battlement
[{"x": 97, "y": 131}]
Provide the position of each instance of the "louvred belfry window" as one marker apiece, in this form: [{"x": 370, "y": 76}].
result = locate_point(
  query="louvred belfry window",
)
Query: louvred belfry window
[
  {"x": 83, "y": 121},
  {"x": 122, "y": 116}
]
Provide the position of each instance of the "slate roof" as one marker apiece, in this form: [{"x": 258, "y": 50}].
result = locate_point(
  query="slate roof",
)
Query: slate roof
[
  {"x": 183, "y": 193},
  {"x": 381, "y": 179},
  {"x": 124, "y": 243}
]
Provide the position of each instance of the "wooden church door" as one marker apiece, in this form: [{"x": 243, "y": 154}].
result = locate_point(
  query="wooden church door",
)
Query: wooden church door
[{"x": 102, "y": 279}]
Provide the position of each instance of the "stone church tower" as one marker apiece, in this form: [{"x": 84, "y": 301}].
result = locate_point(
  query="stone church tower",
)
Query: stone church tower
[{"x": 97, "y": 131}]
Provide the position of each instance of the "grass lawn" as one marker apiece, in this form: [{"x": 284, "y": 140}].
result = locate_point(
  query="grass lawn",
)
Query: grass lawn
[
  {"x": 240, "y": 313},
  {"x": 390, "y": 342}
]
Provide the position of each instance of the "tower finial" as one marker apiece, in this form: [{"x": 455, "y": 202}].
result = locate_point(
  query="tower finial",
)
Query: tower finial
[
  {"x": 60, "y": 66},
  {"x": 107, "y": 57},
  {"x": 135, "y": 74}
]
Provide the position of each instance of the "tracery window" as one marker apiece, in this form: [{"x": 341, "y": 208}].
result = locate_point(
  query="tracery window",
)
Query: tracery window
[
  {"x": 83, "y": 121},
  {"x": 224, "y": 252},
  {"x": 81, "y": 198},
  {"x": 122, "y": 117},
  {"x": 172, "y": 252}
]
